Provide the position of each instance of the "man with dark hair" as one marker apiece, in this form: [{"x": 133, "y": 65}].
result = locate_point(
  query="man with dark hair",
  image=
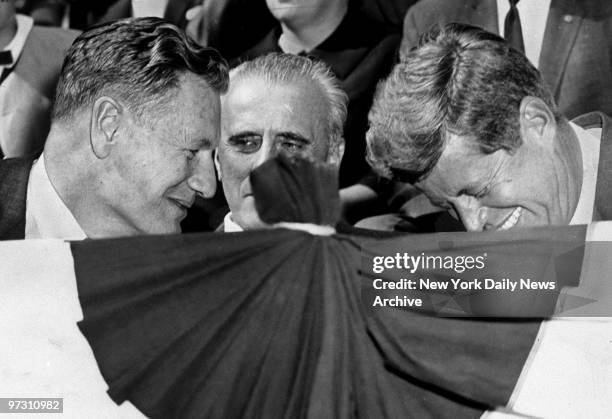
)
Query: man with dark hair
[
  {"x": 134, "y": 123},
  {"x": 276, "y": 103},
  {"x": 470, "y": 121}
]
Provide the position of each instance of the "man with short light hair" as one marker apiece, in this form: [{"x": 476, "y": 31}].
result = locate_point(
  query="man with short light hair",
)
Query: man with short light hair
[
  {"x": 471, "y": 123},
  {"x": 277, "y": 103},
  {"x": 135, "y": 120}
]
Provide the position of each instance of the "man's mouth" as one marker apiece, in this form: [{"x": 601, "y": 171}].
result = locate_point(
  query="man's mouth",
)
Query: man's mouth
[
  {"x": 183, "y": 204},
  {"x": 512, "y": 219}
]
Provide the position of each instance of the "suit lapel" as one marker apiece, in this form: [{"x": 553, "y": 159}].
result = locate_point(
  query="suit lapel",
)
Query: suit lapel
[
  {"x": 562, "y": 25},
  {"x": 603, "y": 203},
  {"x": 604, "y": 176}
]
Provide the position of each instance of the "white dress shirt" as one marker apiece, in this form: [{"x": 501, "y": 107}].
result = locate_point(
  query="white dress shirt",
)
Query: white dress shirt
[
  {"x": 533, "y": 15},
  {"x": 589, "y": 142},
  {"x": 229, "y": 226},
  {"x": 47, "y": 217},
  {"x": 143, "y": 8}
]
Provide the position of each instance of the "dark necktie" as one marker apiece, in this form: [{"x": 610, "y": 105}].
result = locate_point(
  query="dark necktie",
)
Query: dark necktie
[
  {"x": 6, "y": 59},
  {"x": 512, "y": 28}
]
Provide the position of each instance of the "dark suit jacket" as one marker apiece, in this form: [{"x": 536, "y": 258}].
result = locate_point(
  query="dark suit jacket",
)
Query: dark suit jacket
[
  {"x": 359, "y": 58},
  {"x": 576, "y": 58},
  {"x": 32, "y": 88},
  {"x": 14, "y": 175}
]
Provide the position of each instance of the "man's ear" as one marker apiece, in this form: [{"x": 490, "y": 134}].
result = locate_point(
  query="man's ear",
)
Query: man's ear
[
  {"x": 336, "y": 152},
  {"x": 537, "y": 121},
  {"x": 106, "y": 118},
  {"x": 217, "y": 164}
]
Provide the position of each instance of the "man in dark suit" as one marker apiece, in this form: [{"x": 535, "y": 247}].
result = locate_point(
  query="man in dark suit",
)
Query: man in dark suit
[
  {"x": 31, "y": 58},
  {"x": 471, "y": 123},
  {"x": 134, "y": 123},
  {"x": 575, "y": 38}
]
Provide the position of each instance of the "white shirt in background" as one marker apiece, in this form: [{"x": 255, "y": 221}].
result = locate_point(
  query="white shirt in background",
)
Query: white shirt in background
[
  {"x": 143, "y": 8},
  {"x": 533, "y": 15},
  {"x": 24, "y": 26}
]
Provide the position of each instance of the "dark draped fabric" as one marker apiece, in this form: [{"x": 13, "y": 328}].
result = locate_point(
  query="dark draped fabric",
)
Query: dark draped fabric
[{"x": 272, "y": 324}]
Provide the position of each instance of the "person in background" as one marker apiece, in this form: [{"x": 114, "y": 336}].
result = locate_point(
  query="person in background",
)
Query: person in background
[
  {"x": 30, "y": 61},
  {"x": 569, "y": 42},
  {"x": 471, "y": 123},
  {"x": 333, "y": 31},
  {"x": 134, "y": 123},
  {"x": 84, "y": 14},
  {"x": 276, "y": 103}
]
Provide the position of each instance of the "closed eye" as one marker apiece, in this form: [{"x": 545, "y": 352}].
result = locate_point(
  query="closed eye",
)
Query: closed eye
[{"x": 484, "y": 192}]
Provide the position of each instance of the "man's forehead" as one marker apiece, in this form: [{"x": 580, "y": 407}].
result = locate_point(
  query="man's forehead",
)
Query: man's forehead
[
  {"x": 461, "y": 166},
  {"x": 243, "y": 89},
  {"x": 255, "y": 100}
]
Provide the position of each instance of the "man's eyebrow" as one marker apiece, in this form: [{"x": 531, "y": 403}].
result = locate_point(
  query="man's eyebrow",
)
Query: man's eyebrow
[
  {"x": 204, "y": 142},
  {"x": 294, "y": 136},
  {"x": 243, "y": 134},
  {"x": 193, "y": 142}
]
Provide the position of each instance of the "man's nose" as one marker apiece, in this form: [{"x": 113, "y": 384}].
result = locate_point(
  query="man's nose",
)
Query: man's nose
[
  {"x": 268, "y": 150},
  {"x": 202, "y": 178},
  {"x": 472, "y": 214}
]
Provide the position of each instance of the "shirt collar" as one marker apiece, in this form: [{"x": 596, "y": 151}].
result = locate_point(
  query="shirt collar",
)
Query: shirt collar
[
  {"x": 47, "y": 217},
  {"x": 229, "y": 226},
  {"x": 24, "y": 26},
  {"x": 589, "y": 142}
]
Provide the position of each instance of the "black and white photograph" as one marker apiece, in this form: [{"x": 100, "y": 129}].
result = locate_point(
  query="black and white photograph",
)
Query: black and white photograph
[{"x": 374, "y": 209}]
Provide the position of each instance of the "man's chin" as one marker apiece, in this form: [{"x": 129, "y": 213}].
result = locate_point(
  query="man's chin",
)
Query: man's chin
[
  {"x": 249, "y": 220},
  {"x": 167, "y": 226}
]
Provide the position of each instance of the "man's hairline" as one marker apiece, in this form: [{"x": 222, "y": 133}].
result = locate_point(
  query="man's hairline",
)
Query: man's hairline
[
  {"x": 161, "y": 99},
  {"x": 302, "y": 83}
]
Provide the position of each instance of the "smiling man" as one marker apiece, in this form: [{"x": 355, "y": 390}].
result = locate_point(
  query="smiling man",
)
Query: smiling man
[
  {"x": 470, "y": 122},
  {"x": 135, "y": 120},
  {"x": 278, "y": 103}
]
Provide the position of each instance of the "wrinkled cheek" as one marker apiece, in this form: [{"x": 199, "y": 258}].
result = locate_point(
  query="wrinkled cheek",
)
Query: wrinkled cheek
[{"x": 234, "y": 174}]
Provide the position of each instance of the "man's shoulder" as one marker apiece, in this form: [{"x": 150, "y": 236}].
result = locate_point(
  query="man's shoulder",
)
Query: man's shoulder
[{"x": 14, "y": 175}]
